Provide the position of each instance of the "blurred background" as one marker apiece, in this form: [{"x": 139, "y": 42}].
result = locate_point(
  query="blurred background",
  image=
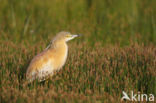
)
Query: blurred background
[
  {"x": 116, "y": 53},
  {"x": 104, "y": 21}
]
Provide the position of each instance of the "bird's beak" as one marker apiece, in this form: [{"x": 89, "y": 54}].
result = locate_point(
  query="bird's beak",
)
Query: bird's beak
[
  {"x": 76, "y": 35},
  {"x": 72, "y": 37}
]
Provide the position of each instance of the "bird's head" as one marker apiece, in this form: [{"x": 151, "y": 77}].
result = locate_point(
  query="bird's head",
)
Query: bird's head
[{"x": 65, "y": 36}]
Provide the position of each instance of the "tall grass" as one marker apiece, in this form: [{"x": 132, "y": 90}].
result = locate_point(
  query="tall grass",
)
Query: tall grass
[
  {"x": 91, "y": 75},
  {"x": 116, "y": 52}
]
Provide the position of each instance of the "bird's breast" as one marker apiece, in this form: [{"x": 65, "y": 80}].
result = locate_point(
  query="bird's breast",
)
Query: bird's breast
[{"x": 60, "y": 56}]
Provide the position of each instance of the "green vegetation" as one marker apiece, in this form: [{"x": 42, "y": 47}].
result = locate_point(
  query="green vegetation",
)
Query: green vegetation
[{"x": 116, "y": 52}]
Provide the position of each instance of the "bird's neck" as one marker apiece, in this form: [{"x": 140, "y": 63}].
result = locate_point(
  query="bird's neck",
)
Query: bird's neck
[{"x": 60, "y": 46}]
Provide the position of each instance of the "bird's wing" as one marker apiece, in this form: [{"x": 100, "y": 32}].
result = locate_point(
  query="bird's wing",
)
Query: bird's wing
[
  {"x": 42, "y": 72},
  {"x": 39, "y": 68},
  {"x": 45, "y": 71}
]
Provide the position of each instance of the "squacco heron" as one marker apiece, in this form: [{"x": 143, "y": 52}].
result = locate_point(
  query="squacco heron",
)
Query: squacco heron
[{"x": 51, "y": 59}]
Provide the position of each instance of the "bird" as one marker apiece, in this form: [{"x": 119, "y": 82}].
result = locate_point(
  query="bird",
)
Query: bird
[{"x": 51, "y": 59}]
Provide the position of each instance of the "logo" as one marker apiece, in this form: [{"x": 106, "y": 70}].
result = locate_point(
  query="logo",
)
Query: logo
[{"x": 137, "y": 97}]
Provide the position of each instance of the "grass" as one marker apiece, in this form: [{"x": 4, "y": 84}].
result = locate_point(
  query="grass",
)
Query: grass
[{"x": 116, "y": 52}]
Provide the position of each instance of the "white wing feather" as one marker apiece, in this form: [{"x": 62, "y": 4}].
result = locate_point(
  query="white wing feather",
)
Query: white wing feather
[{"x": 45, "y": 71}]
